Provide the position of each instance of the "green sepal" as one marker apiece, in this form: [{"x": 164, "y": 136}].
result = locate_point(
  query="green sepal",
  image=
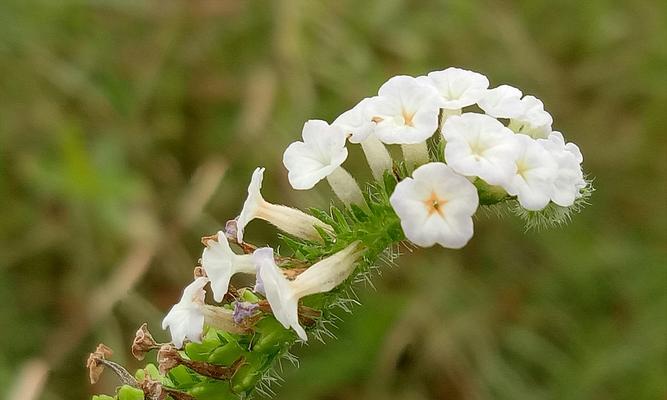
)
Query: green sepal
[
  {"x": 182, "y": 377},
  {"x": 201, "y": 351}
]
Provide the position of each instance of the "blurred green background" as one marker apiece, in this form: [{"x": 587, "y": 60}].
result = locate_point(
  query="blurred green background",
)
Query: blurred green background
[{"x": 129, "y": 129}]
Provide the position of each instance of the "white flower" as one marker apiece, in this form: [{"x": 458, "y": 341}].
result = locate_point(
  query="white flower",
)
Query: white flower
[
  {"x": 287, "y": 219},
  {"x": 536, "y": 171},
  {"x": 221, "y": 263},
  {"x": 185, "y": 320},
  {"x": 458, "y": 88},
  {"x": 533, "y": 120},
  {"x": 321, "y": 152},
  {"x": 436, "y": 206},
  {"x": 503, "y": 101},
  {"x": 406, "y": 111},
  {"x": 357, "y": 122},
  {"x": 479, "y": 145},
  {"x": 284, "y": 295},
  {"x": 320, "y": 156},
  {"x": 570, "y": 178}
]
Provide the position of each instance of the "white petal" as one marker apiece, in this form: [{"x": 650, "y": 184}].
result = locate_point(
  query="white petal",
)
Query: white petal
[
  {"x": 357, "y": 122},
  {"x": 532, "y": 120},
  {"x": 451, "y": 225},
  {"x": 279, "y": 291},
  {"x": 185, "y": 319},
  {"x": 221, "y": 263},
  {"x": 479, "y": 145},
  {"x": 252, "y": 204},
  {"x": 406, "y": 111},
  {"x": 458, "y": 87},
  {"x": 503, "y": 101},
  {"x": 320, "y": 153},
  {"x": 536, "y": 173}
]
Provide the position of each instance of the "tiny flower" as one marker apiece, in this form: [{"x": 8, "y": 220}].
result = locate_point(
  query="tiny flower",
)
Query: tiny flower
[
  {"x": 503, "y": 101},
  {"x": 95, "y": 362},
  {"x": 570, "y": 178},
  {"x": 243, "y": 310},
  {"x": 320, "y": 156},
  {"x": 436, "y": 206},
  {"x": 284, "y": 295},
  {"x": 536, "y": 171},
  {"x": 406, "y": 111},
  {"x": 358, "y": 124},
  {"x": 185, "y": 320},
  {"x": 533, "y": 120},
  {"x": 287, "y": 219},
  {"x": 479, "y": 145},
  {"x": 221, "y": 263},
  {"x": 457, "y": 87}
]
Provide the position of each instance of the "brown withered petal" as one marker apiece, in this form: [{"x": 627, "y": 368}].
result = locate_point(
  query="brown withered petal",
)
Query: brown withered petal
[
  {"x": 143, "y": 342},
  {"x": 95, "y": 367},
  {"x": 168, "y": 358}
]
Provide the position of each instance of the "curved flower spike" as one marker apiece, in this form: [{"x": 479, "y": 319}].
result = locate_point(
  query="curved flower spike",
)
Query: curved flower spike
[
  {"x": 436, "y": 206},
  {"x": 283, "y": 295},
  {"x": 320, "y": 156},
  {"x": 287, "y": 219},
  {"x": 503, "y": 101},
  {"x": 221, "y": 263},
  {"x": 457, "y": 87},
  {"x": 185, "y": 320},
  {"x": 570, "y": 178},
  {"x": 479, "y": 145},
  {"x": 533, "y": 120},
  {"x": 358, "y": 124},
  {"x": 535, "y": 174}
]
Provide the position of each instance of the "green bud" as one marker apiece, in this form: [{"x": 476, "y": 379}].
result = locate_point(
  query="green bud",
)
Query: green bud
[
  {"x": 129, "y": 393},
  {"x": 249, "y": 296},
  {"x": 272, "y": 335},
  {"x": 153, "y": 372},
  {"x": 245, "y": 378},
  {"x": 102, "y": 397},
  {"x": 226, "y": 355},
  {"x": 218, "y": 390}
]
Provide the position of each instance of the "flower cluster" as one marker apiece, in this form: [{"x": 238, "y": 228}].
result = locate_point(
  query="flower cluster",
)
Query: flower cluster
[{"x": 463, "y": 146}]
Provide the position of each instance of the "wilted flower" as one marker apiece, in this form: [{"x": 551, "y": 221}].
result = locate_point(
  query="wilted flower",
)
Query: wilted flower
[
  {"x": 536, "y": 171},
  {"x": 287, "y": 219},
  {"x": 221, "y": 263},
  {"x": 284, "y": 295},
  {"x": 436, "y": 206},
  {"x": 479, "y": 145}
]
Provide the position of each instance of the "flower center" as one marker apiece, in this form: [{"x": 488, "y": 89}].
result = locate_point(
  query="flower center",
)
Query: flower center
[
  {"x": 435, "y": 204},
  {"x": 521, "y": 168},
  {"x": 407, "y": 117}
]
